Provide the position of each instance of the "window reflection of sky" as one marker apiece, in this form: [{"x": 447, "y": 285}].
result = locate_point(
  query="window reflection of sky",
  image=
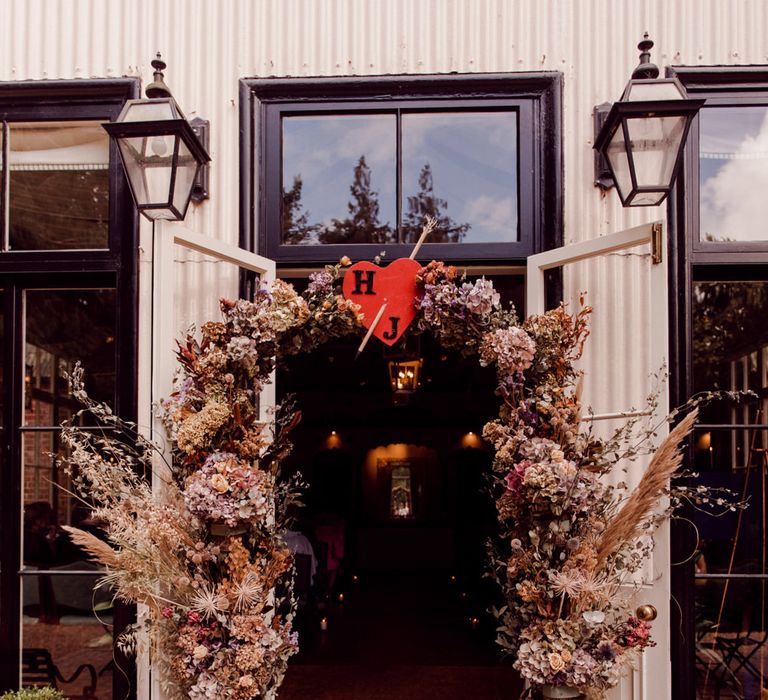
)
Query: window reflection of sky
[
  {"x": 733, "y": 167},
  {"x": 324, "y": 152},
  {"x": 473, "y": 158}
]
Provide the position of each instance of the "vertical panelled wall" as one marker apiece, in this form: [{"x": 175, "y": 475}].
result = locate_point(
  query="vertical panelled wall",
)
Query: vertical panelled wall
[{"x": 209, "y": 46}]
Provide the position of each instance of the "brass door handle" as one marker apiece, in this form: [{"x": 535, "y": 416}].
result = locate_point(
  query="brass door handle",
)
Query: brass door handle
[{"x": 647, "y": 612}]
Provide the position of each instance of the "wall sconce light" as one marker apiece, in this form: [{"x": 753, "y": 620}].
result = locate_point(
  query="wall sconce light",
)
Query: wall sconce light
[
  {"x": 640, "y": 139},
  {"x": 161, "y": 152}
]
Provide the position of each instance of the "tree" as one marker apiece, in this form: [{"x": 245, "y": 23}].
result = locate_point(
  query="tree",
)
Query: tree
[
  {"x": 362, "y": 225},
  {"x": 294, "y": 218},
  {"x": 425, "y": 204}
]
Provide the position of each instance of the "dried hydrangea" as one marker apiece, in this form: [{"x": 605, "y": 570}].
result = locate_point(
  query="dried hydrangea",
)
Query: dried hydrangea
[
  {"x": 227, "y": 490},
  {"x": 287, "y": 309},
  {"x": 197, "y": 430},
  {"x": 511, "y": 349},
  {"x": 480, "y": 298},
  {"x": 320, "y": 283}
]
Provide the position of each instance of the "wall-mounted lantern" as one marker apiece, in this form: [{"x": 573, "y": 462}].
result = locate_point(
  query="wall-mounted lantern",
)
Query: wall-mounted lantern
[
  {"x": 161, "y": 152},
  {"x": 640, "y": 138}
]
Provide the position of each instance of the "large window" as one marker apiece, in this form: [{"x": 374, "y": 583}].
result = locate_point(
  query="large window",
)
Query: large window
[
  {"x": 720, "y": 342},
  {"x": 354, "y": 167},
  {"x": 58, "y": 185},
  {"x": 68, "y": 279}
]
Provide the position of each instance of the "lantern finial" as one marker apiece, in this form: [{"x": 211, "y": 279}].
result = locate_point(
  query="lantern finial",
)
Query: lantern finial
[
  {"x": 158, "y": 88},
  {"x": 645, "y": 69}
]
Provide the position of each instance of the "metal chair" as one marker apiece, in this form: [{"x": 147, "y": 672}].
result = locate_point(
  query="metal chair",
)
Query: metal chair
[{"x": 38, "y": 669}]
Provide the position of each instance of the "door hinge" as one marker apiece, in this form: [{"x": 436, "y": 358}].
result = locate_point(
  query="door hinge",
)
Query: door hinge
[{"x": 657, "y": 253}]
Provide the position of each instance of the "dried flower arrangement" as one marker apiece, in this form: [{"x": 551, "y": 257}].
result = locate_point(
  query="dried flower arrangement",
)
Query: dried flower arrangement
[
  {"x": 208, "y": 562},
  {"x": 571, "y": 546}
]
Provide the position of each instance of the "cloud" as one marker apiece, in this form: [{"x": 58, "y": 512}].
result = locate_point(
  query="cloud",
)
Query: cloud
[
  {"x": 734, "y": 205},
  {"x": 492, "y": 218},
  {"x": 324, "y": 152}
]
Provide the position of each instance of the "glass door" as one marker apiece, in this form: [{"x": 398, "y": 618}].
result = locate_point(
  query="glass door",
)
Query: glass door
[{"x": 54, "y": 612}]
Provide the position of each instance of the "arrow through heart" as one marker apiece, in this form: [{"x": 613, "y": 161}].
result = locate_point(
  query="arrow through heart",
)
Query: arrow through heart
[{"x": 372, "y": 286}]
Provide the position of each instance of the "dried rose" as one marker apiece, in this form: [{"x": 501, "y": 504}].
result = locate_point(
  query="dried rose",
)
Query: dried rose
[
  {"x": 220, "y": 483},
  {"x": 556, "y": 662}
]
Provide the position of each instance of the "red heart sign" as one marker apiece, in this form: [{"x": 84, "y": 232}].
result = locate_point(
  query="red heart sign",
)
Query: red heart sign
[{"x": 372, "y": 286}]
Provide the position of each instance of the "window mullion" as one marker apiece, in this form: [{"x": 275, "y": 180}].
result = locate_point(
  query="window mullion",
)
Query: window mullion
[
  {"x": 4, "y": 194},
  {"x": 399, "y": 174}
]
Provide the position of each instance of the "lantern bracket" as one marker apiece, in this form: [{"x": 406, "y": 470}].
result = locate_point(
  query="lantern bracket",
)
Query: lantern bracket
[
  {"x": 603, "y": 176},
  {"x": 202, "y": 129}
]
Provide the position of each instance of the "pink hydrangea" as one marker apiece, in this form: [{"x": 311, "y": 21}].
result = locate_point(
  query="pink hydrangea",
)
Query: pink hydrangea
[{"x": 510, "y": 349}]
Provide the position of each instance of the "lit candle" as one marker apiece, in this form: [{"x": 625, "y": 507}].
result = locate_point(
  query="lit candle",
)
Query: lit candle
[
  {"x": 324, "y": 624},
  {"x": 475, "y": 623},
  {"x": 355, "y": 578},
  {"x": 341, "y": 597}
]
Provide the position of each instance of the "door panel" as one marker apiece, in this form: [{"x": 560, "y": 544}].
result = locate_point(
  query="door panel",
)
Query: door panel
[{"x": 624, "y": 360}]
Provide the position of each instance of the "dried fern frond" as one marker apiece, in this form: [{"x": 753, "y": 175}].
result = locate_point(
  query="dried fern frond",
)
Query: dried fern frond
[
  {"x": 627, "y": 525},
  {"x": 93, "y": 545}
]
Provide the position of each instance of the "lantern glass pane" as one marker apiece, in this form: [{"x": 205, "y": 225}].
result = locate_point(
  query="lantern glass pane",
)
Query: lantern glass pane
[
  {"x": 148, "y": 111},
  {"x": 655, "y": 144},
  {"x": 132, "y": 151},
  {"x": 647, "y": 199},
  {"x": 616, "y": 152},
  {"x": 149, "y": 163},
  {"x": 653, "y": 90},
  {"x": 185, "y": 177}
]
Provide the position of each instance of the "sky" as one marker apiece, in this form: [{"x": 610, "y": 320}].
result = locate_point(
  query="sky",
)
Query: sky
[{"x": 733, "y": 150}]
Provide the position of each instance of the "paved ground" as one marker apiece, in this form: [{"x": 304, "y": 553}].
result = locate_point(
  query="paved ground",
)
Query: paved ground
[{"x": 400, "y": 636}]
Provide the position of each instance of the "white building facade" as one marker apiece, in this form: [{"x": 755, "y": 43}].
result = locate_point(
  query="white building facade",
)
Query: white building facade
[{"x": 243, "y": 65}]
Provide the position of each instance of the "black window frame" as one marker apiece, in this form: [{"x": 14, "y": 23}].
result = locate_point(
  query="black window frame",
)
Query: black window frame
[
  {"x": 115, "y": 266},
  {"x": 537, "y": 98},
  {"x": 690, "y": 261}
]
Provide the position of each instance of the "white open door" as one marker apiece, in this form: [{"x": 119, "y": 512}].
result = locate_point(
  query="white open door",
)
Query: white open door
[
  {"x": 156, "y": 373},
  {"x": 626, "y": 266}
]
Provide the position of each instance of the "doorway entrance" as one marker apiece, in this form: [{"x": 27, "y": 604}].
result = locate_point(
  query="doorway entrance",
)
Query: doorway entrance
[{"x": 397, "y": 518}]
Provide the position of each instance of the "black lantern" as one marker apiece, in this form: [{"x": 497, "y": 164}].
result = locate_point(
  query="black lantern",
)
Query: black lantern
[
  {"x": 642, "y": 136},
  {"x": 404, "y": 364},
  {"x": 160, "y": 151},
  {"x": 404, "y": 375}
]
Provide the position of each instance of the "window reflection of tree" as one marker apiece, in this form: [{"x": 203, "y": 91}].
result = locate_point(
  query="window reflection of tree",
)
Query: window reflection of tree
[
  {"x": 426, "y": 203},
  {"x": 294, "y": 218},
  {"x": 363, "y": 225},
  {"x": 729, "y": 322},
  {"x": 730, "y": 352}
]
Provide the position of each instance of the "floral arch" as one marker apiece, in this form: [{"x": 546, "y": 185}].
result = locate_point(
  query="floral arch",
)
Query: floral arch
[{"x": 208, "y": 561}]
